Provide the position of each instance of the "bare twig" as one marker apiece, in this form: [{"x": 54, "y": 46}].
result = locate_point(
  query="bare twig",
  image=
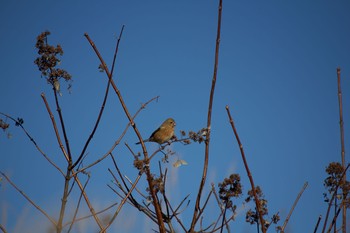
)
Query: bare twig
[
  {"x": 143, "y": 106},
  {"x": 3, "y": 229},
  {"x": 78, "y": 205},
  {"x": 34, "y": 142},
  {"x": 294, "y": 204},
  {"x": 89, "y": 216},
  {"x": 196, "y": 214},
  {"x": 103, "y": 103},
  {"x": 124, "y": 199},
  {"x": 257, "y": 201},
  {"x": 341, "y": 124},
  {"x": 318, "y": 223},
  {"x": 55, "y": 127},
  {"x": 156, "y": 204},
  {"x": 28, "y": 199},
  {"x": 331, "y": 200}
]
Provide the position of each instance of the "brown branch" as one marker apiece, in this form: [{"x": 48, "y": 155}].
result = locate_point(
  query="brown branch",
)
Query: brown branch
[
  {"x": 333, "y": 196},
  {"x": 123, "y": 201},
  {"x": 103, "y": 103},
  {"x": 257, "y": 201},
  {"x": 28, "y": 199},
  {"x": 341, "y": 124},
  {"x": 87, "y": 201},
  {"x": 318, "y": 222},
  {"x": 63, "y": 129},
  {"x": 156, "y": 204},
  {"x": 294, "y": 204},
  {"x": 196, "y": 213},
  {"x": 89, "y": 216},
  {"x": 3, "y": 229},
  {"x": 55, "y": 127},
  {"x": 120, "y": 137},
  {"x": 78, "y": 205}
]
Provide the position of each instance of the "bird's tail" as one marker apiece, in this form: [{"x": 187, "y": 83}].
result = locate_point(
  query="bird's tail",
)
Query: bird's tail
[{"x": 147, "y": 140}]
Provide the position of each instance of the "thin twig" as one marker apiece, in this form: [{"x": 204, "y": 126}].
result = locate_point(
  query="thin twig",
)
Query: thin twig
[
  {"x": 294, "y": 204},
  {"x": 103, "y": 103},
  {"x": 149, "y": 176},
  {"x": 55, "y": 127},
  {"x": 78, "y": 205},
  {"x": 34, "y": 142},
  {"x": 3, "y": 229},
  {"x": 331, "y": 200},
  {"x": 341, "y": 125},
  {"x": 257, "y": 201},
  {"x": 124, "y": 199},
  {"x": 143, "y": 106},
  {"x": 87, "y": 201},
  {"x": 196, "y": 213},
  {"x": 28, "y": 199},
  {"x": 318, "y": 223}
]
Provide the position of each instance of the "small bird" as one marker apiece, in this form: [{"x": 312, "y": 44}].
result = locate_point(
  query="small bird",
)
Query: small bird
[{"x": 164, "y": 133}]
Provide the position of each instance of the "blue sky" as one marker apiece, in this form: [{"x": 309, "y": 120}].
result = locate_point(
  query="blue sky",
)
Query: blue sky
[{"x": 277, "y": 72}]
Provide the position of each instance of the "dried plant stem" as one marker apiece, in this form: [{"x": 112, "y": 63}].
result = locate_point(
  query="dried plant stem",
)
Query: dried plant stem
[
  {"x": 3, "y": 229},
  {"x": 156, "y": 204},
  {"x": 35, "y": 144},
  {"x": 318, "y": 223},
  {"x": 196, "y": 214},
  {"x": 341, "y": 124},
  {"x": 55, "y": 127},
  {"x": 294, "y": 204},
  {"x": 103, "y": 103},
  {"x": 123, "y": 201},
  {"x": 87, "y": 201},
  {"x": 120, "y": 137},
  {"x": 28, "y": 199},
  {"x": 77, "y": 208},
  {"x": 257, "y": 201},
  {"x": 331, "y": 200}
]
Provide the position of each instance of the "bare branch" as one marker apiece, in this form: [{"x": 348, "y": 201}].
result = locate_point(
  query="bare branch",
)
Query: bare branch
[
  {"x": 103, "y": 103},
  {"x": 34, "y": 142},
  {"x": 156, "y": 204},
  {"x": 341, "y": 125},
  {"x": 292, "y": 209},
  {"x": 257, "y": 201},
  {"x": 29, "y": 200},
  {"x": 196, "y": 214}
]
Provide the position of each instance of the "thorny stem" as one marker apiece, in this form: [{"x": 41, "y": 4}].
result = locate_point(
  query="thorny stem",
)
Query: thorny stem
[
  {"x": 341, "y": 124},
  {"x": 196, "y": 213},
  {"x": 257, "y": 201},
  {"x": 145, "y": 153}
]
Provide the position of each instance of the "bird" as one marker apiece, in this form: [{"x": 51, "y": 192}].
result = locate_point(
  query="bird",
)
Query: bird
[{"x": 164, "y": 133}]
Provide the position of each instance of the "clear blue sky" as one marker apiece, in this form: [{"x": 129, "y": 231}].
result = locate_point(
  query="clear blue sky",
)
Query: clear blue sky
[{"x": 277, "y": 72}]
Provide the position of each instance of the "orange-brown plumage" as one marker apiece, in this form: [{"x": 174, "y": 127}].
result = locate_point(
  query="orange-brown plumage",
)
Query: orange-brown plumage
[{"x": 164, "y": 133}]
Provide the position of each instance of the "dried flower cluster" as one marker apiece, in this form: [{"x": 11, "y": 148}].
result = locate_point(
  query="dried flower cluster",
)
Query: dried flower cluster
[
  {"x": 229, "y": 188},
  {"x": 334, "y": 179},
  {"x": 252, "y": 216},
  {"x": 48, "y": 60},
  {"x": 199, "y": 137},
  {"x": 3, "y": 125}
]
